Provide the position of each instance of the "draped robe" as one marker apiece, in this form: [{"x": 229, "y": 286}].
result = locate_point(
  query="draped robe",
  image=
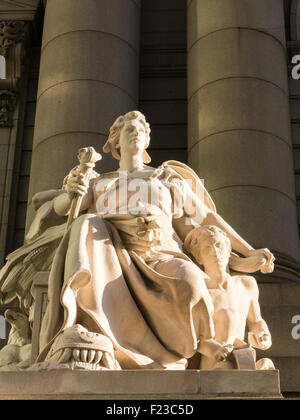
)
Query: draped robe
[{"x": 107, "y": 274}]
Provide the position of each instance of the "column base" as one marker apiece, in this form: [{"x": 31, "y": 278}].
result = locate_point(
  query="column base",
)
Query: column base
[{"x": 140, "y": 385}]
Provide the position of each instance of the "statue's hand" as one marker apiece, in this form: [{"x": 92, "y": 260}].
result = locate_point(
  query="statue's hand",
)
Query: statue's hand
[
  {"x": 267, "y": 259},
  {"x": 261, "y": 340},
  {"x": 223, "y": 352},
  {"x": 76, "y": 184}
]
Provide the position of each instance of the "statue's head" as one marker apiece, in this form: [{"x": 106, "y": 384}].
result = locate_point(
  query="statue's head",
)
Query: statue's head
[
  {"x": 130, "y": 133},
  {"x": 209, "y": 245}
]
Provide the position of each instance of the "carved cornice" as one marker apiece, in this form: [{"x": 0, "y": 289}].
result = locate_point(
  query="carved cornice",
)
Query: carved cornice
[
  {"x": 18, "y": 9},
  {"x": 14, "y": 40},
  {"x": 8, "y": 101},
  {"x": 11, "y": 33}
]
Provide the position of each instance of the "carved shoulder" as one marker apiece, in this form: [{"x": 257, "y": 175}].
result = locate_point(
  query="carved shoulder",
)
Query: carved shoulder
[{"x": 250, "y": 283}]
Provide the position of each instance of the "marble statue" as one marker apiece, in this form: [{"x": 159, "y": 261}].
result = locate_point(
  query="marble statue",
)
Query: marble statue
[
  {"x": 124, "y": 293},
  {"x": 235, "y": 300}
]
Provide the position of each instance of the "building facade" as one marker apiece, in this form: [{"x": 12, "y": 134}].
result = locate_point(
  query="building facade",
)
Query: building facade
[{"x": 214, "y": 79}]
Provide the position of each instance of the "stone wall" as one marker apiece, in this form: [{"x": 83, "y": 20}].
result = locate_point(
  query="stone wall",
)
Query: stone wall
[
  {"x": 17, "y": 228},
  {"x": 163, "y": 77}
]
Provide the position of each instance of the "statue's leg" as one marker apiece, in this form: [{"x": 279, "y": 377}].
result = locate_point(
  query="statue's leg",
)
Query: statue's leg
[{"x": 193, "y": 307}]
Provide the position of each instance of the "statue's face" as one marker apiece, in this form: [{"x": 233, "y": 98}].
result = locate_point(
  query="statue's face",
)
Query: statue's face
[
  {"x": 133, "y": 138},
  {"x": 214, "y": 250}
]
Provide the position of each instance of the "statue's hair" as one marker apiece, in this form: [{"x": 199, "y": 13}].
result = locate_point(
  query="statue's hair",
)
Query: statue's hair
[
  {"x": 115, "y": 130},
  {"x": 198, "y": 235}
]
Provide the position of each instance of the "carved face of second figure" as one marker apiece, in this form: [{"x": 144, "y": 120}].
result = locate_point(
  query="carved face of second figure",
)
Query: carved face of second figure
[
  {"x": 214, "y": 249},
  {"x": 133, "y": 138},
  {"x": 209, "y": 246}
]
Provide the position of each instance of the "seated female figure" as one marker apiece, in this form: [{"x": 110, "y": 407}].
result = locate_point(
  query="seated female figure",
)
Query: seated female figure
[{"x": 121, "y": 272}]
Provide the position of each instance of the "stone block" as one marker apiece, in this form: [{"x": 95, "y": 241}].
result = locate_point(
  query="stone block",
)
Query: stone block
[
  {"x": 164, "y": 5},
  {"x": 108, "y": 16},
  {"x": 62, "y": 61},
  {"x": 168, "y": 112},
  {"x": 61, "y": 110},
  {"x": 20, "y": 216},
  {"x": 165, "y": 39},
  {"x": 5, "y": 136},
  {"x": 236, "y": 53},
  {"x": 30, "y": 114},
  {"x": 295, "y": 112},
  {"x": 297, "y": 159},
  {"x": 28, "y": 138},
  {"x": 163, "y": 88},
  {"x": 139, "y": 385},
  {"x": 289, "y": 368},
  {"x": 297, "y": 178},
  {"x": 168, "y": 137},
  {"x": 254, "y": 104},
  {"x": 244, "y": 153},
  {"x": 23, "y": 189},
  {"x": 206, "y": 16},
  {"x": 155, "y": 20}
]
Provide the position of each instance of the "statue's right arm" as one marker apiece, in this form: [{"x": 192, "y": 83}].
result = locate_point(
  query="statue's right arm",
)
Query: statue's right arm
[
  {"x": 255, "y": 323},
  {"x": 76, "y": 186}
]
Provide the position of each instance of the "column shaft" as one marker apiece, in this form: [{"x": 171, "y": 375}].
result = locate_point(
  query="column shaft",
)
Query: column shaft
[
  {"x": 239, "y": 121},
  {"x": 88, "y": 77}
]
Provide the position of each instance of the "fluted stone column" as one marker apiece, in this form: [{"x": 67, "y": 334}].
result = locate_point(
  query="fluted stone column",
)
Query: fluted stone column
[
  {"x": 88, "y": 77},
  {"x": 239, "y": 122}
]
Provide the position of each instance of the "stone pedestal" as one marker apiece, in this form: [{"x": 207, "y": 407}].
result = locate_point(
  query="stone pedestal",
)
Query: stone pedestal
[
  {"x": 279, "y": 304},
  {"x": 140, "y": 385}
]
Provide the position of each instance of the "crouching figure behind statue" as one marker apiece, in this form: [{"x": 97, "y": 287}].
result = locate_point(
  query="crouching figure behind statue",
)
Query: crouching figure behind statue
[{"x": 126, "y": 287}]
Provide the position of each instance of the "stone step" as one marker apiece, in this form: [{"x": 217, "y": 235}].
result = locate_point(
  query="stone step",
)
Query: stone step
[{"x": 140, "y": 385}]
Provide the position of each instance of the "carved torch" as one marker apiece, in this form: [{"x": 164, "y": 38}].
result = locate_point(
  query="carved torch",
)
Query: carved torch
[{"x": 87, "y": 157}]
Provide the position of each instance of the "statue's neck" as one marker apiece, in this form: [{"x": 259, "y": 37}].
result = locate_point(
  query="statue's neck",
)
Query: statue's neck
[
  {"x": 218, "y": 276},
  {"x": 131, "y": 163}
]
